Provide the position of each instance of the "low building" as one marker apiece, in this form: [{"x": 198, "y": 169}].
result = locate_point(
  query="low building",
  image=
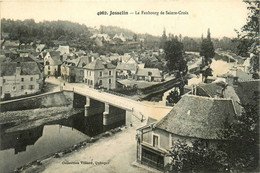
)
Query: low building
[
  {"x": 149, "y": 74},
  {"x": 125, "y": 70},
  {"x": 192, "y": 118},
  {"x": 100, "y": 74},
  {"x": 20, "y": 78}
]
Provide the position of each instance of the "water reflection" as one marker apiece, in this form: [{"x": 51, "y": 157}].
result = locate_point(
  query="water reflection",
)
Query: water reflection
[
  {"x": 20, "y": 147},
  {"x": 20, "y": 139}
]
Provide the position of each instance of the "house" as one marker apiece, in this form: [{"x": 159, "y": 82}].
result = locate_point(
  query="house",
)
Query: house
[
  {"x": 192, "y": 118},
  {"x": 102, "y": 37},
  {"x": 119, "y": 38},
  {"x": 73, "y": 70},
  {"x": 52, "y": 63},
  {"x": 149, "y": 74},
  {"x": 63, "y": 49},
  {"x": 218, "y": 89},
  {"x": 40, "y": 47},
  {"x": 100, "y": 74},
  {"x": 20, "y": 78},
  {"x": 127, "y": 69}
]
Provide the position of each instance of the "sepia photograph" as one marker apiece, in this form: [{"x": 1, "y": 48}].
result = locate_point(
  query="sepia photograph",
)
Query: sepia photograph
[{"x": 113, "y": 86}]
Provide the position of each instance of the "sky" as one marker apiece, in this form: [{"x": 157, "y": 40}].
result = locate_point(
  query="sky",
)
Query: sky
[{"x": 221, "y": 16}]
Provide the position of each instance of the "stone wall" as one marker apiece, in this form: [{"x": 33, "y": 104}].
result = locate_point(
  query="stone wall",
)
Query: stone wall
[{"x": 54, "y": 99}]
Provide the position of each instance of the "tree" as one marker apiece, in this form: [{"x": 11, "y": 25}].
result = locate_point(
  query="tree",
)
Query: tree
[
  {"x": 237, "y": 152},
  {"x": 249, "y": 36},
  {"x": 135, "y": 37},
  {"x": 207, "y": 71},
  {"x": 174, "y": 55},
  {"x": 173, "y": 97},
  {"x": 207, "y": 49},
  {"x": 241, "y": 148},
  {"x": 196, "y": 158}
]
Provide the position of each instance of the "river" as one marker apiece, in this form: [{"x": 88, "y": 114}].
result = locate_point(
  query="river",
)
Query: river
[{"x": 21, "y": 147}]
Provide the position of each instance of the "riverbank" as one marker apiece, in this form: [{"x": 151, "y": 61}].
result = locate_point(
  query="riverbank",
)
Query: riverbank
[
  {"x": 112, "y": 151},
  {"x": 26, "y": 119}
]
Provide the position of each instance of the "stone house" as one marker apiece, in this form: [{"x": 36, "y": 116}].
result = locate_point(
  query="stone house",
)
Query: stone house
[
  {"x": 192, "y": 118},
  {"x": 20, "y": 78},
  {"x": 100, "y": 74},
  {"x": 125, "y": 70},
  {"x": 127, "y": 66},
  {"x": 52, "y": 63},
  {"x": 149, "y": 74},
  {"x": 73, "y": 70}
]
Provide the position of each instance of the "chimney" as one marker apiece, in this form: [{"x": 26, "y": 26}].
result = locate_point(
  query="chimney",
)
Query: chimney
[{"x": 18, "y": 69}]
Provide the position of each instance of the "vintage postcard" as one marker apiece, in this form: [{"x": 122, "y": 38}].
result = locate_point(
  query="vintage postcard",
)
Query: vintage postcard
[{"x": 129, "y": 86}]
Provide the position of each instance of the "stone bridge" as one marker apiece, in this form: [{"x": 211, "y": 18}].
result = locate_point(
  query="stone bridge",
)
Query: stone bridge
[{"x": 113, "y": 107}]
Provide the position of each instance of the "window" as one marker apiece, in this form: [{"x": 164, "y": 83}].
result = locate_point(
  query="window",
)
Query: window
[
  {"x": 31, "y": 78},
  {"x": 100, "y": 82},
  {"x": 109, "y": 73},
  {"x": 155, "y": 140},
  {"x": 3, "y": 80},
  {"x": 87, "y": 73},
  {"x": 22, "y": 87},
  {"x": 22, "y": 79},
  {"x": 47, "y": 63},
  {"x": 31, "y": 87},
  {"x": 14, "y": 88},
  {"x": 109, "y": 81},
  {"x": 100, "y": 74},
  {"x": 90, "y": 73},
  {"x": 49, "y": 67}
]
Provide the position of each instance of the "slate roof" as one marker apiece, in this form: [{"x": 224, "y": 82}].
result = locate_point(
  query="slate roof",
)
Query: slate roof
[
  {"x": 199, "y": 117},
  {"x": 248, "y": 91},
  {"x": 211, "y": 89},
  {"x": 144, "y": 72},
  {"x": 40, "y": 47},
  {"x": 83, "y": 61},
  {"x": 99, "y": 65},
  {"x": 27, "y": 68},
  {"x": 64, "y": 49},
  {"x": 125, "y": 66}
]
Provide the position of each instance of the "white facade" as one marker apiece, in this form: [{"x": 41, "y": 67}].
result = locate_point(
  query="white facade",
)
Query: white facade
[
  {"x": 17, "y": 85},
  {"x": 100, "y": 78}
]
